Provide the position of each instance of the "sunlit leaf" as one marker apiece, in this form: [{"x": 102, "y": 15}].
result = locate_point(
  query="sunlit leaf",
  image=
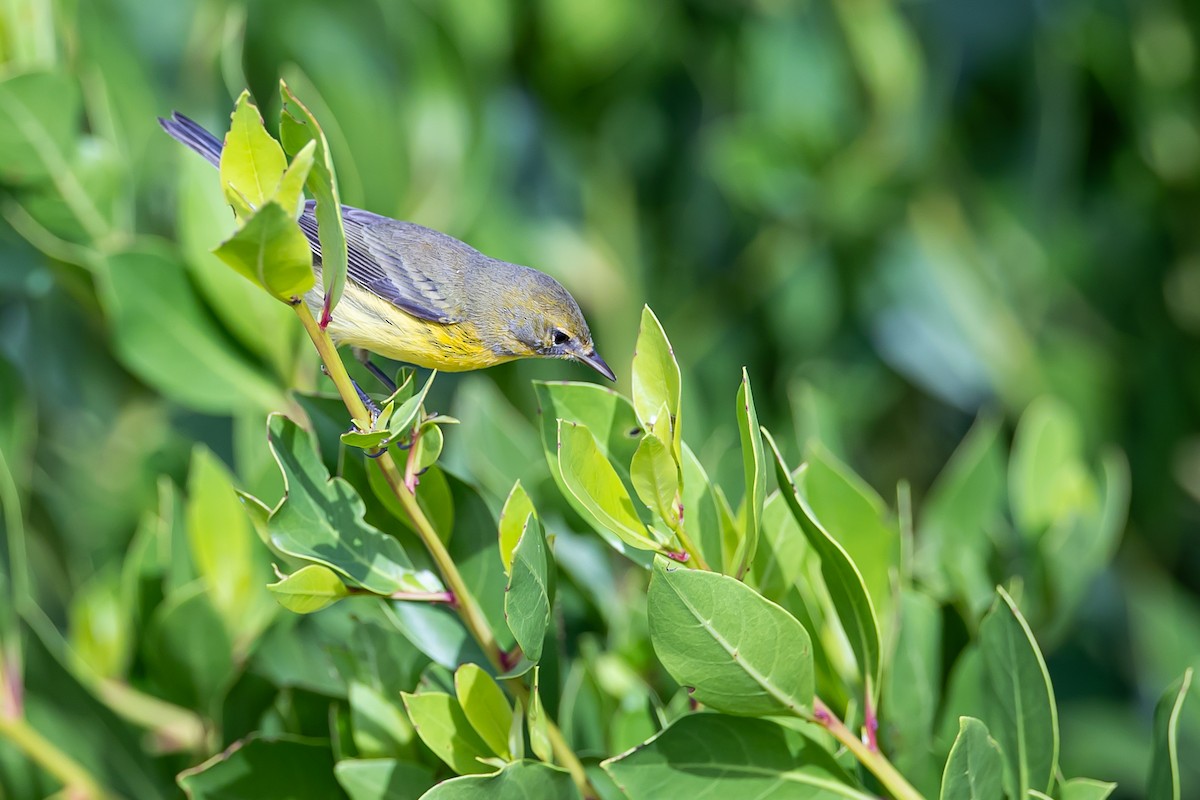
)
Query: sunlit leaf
[
  {"x": 655, "y": 478},
  {"x": 444, "y": 728},
  {"x": 593, "y": 482},
  {"x": 656, "y": 381},
  {"x": 754, "y": 469},
  {"x": 309, "y": 589},
  {"x": 485, "y": 707},
  {"x": 298, "y": 129},
  {"x": 517, "y": 507},
  {"x": 270, "y": 250},
  {"x": 252, "y": 162},
  {"x": 739, "y": 652},
  {"x": 539, "y": 723}
]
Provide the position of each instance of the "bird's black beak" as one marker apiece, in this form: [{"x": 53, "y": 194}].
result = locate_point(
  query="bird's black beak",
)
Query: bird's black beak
[{"x": 594, "y": 361}]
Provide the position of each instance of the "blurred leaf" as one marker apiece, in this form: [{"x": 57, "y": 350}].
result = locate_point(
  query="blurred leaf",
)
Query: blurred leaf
[
  {"x": 309, "y": 589},
  {"x": 39, "y": 112},
  {"x": 975, "y": 768},
  {"x": 593, "y": 482},
  {"x": 101, "y": 630},
  {"x": 656, "y": 381},
  {"x": 226, "y": 552},
  {"x": 520, "y": 780},
  {"x": 841, "y": 575},
  {"x": 1085, "y": 789},
  {"x": 754, "y": 468},
  {"x": 912, "y": 689},
  {"x": 380, "y": 728},
  {"x": 513, "y": 521},
  {"x": 252, "y": 163},
  {"x": 527, "y": 601},
  {"x": 321, "y": 520},
  {"x": 187, "y": 650},
  {"x": 271, "y": 250},
  {"x": 730, "y": 757},
  {"x": 539, "y": 723},
  {"x": 1164, "y": 782},
  {"x": 382, "y": 779},
  {"x": 1046, "y": 475},
  {"x": 853, "y": 514},
  {"x": 964, "y": 504},
  {"x": 444, "y": 728},
  {"x": 496, "y": 445},
  {"x": 262, "y": 766},
  {"x": 164, "y": 336},
  {"x": 298, "y": 129},
  {"x": 655, "y": 478},
  {"x": 723, "y": 639},
  {"x": 1020, "y": 700},
  {"x": 485, "y": 706}
]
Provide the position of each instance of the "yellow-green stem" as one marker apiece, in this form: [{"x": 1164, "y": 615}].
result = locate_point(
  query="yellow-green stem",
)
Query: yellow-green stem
[
  {"x": 468, "y": 608},
  {"x": 690, "y": 548},
  {"x": 873, "y": 760},
  {"x": 40, "y": 750}
]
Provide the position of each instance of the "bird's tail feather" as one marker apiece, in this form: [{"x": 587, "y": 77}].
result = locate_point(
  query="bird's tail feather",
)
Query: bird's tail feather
[{"x": 194, "y": 136}]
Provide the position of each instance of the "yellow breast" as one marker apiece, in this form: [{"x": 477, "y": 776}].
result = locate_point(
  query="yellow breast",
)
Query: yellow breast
[{"x": 364, "y": 320}]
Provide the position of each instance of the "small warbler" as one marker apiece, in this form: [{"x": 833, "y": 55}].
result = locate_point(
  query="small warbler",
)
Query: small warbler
[{"x": 422, "y": 297}]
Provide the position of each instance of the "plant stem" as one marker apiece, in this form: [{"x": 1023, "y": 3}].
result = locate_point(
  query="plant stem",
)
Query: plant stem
[
  {"x": 873, "y": 760},
  {"x": 690, "y": 548},
  {"x": 77, "y": 780},
  {"x": 465, "y": 603}
]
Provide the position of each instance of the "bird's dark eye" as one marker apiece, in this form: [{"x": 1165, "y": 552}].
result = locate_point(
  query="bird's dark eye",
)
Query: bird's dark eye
[{"x": 561, "y": 337}]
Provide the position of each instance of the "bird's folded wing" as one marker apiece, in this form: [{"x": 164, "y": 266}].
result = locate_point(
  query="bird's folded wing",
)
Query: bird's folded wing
[{"x": 416, "y": 269}]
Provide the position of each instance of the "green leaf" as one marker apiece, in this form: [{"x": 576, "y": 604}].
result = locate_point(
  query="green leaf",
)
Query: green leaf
[
  {"x": 282, "y": 766},
  {"x": 656, "y": 381},
  {"x": 39, "y": 119},
  {"x": 225, "y": 550},
  {"x": 593, "y": 482},
  {"x": 1164, "y": 783},
  {"x": 380, "y": 728},
  {"x": 252, "y": 163},
  {"x": 188, "y": 651},
  {"x": 298, "y": 129},
  {"x": 655, "y": 478},
  {"x": 539, "y": 723},
  {"x": 527, "y": 600},
  {"x": 964, "y": 505},
  {"x": 912, "y": 687},
  {"x": 290, "y": 193},
  {"x": 382, "y": 779},
  {"x": 271, "y": 250},
  {"x": 428, "y": 447},
  {"x": 841, "y": 575},
  {"x": 853, "y": 514},
  {"x": 1086, "y": 789},
  {"x": 521, "y": 780},
  {"x": 1021, "y": 712},
  {"x": 444, "y": 728},
  {"x": 709, "y": 755},
  {"x": 1047, "y": 478},
  {"x": 754, "y": 468},
  {"x": 975, "y": 767},
  {"x": 485, "y": 706},
  {"x": 309, "y": 589},
  {"x": 702, "y": 517},
  {"x": 405, "y": 416},
  {"x": 169, "y": 340},
  {"x": 512, "y": 524},
  {"x": 741, "y": 653},
  {"x": 101, "y": 630},
  {"x": 320, "y": 519}
]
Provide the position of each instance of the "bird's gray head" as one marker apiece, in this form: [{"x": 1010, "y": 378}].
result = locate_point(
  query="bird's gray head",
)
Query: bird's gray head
[{"x": 545, "y": 321}]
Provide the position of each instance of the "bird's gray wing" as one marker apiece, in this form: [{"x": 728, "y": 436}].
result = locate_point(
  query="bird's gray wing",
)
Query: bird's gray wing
[{"x": 416, "y": 269}]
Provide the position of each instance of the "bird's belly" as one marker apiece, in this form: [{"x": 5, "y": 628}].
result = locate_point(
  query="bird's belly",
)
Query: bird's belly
[{"x": 362, "y": 320}]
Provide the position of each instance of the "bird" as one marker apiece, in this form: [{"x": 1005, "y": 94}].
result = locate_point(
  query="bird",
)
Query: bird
[{"x": 422, "y": 297}]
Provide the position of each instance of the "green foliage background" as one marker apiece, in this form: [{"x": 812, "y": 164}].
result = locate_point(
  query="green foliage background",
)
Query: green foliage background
[{"x": 897, "y": 216}]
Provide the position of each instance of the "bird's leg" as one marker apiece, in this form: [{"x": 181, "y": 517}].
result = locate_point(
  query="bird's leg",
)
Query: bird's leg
[
  {"x": 367, "y": 401},
  {"x": 365, "y": 359}
]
